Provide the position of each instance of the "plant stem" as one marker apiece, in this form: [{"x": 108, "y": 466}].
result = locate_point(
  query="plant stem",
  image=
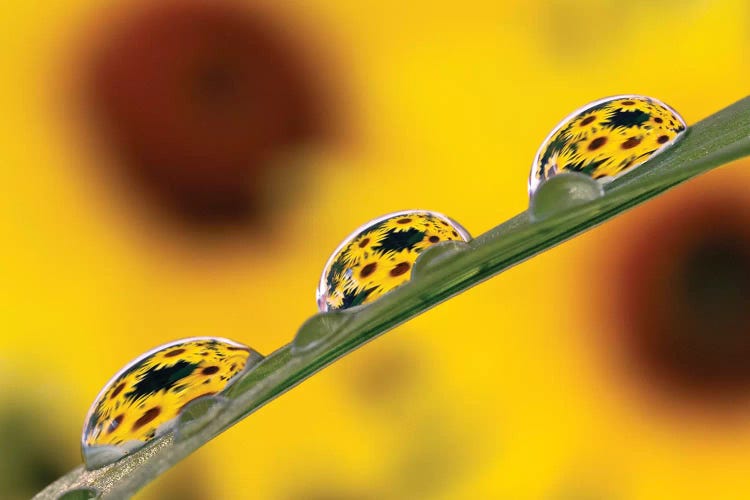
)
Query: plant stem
[{"x": 718, "y": 139}]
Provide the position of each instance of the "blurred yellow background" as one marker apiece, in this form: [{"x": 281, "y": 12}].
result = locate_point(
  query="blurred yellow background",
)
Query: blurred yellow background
[{"x": 507, "y": 391}]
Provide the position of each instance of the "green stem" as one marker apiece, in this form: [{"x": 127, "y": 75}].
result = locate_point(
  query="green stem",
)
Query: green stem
[{"x": 718, "y": 139}]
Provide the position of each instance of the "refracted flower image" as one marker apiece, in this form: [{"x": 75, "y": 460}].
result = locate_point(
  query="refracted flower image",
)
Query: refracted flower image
[
  {"x": 607, "y": 138},
  {"x": 144, "y": 399},
  {"x": 379, "y": 256}
]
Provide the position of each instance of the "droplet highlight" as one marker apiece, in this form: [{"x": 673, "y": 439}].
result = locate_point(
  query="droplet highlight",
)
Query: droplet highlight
[
  {"x": 562, "y": 192},
  {"x": 379, "y": 256},
  {"x": 197, "y": 414},
  {"x": 607, "y": 138},
  {"x": 436, "y": 255},
  {"x": 319, "y": 331},
  {"x": 144, "y": 399}
]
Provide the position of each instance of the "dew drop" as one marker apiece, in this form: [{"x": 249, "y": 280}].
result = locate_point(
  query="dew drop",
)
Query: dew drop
[
  {"x": 96, "y": 456},
  {"x": 435, "y": 256},
  {"x": 196, "y": 414},
  {"x": 607, "y": 138},
  {"x": 319, "y": 331},
  {"x": 79, "y": 494},
  {"x": 562, "y": 192},
  {"x": 143, "y": 400},
  {"x": 379, "y": 256}
]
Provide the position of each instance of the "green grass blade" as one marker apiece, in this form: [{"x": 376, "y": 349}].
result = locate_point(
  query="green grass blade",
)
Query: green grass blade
[{"x": 717, "y": 140}]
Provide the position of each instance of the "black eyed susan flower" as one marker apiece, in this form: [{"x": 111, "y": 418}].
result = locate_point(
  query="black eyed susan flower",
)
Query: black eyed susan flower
[
  {"x": 586, "y": 125},
  {"x": 628, "y": 104},
  {"x": 406, "y": 223},
  {"x": 363, "y": 246}
]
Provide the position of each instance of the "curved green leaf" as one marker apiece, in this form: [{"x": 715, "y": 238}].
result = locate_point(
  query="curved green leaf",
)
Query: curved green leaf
[{"x": 439, "y": 274}]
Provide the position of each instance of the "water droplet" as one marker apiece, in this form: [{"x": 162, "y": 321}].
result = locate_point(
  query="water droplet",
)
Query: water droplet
[
  {"x": 436, "y": 255},
  {"x": 319, "y": 331},
  {"x": 379, "y": 256},
  {"x": 143, "y": 400},
  {"x": 79, "y": 494},
  {"x": 197, "y": 414},
  {"x": 561, "y": 192},
  {"x": 607, "y": 138}
]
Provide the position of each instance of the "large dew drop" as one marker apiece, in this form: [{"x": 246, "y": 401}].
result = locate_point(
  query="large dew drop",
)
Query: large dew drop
[
  {"x": 379, "y": 256},
  {"x": 607, "y": 138},
  {"x": 144, "y": 399}
]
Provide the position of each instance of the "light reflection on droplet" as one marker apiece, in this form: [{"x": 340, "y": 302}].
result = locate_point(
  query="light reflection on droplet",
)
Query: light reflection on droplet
[
  {"x": 434, "y": 256},
  {"x": 318, "y": 331},
  {"x": 197, "y": 414},
  {"x": 563, "y": 191}
]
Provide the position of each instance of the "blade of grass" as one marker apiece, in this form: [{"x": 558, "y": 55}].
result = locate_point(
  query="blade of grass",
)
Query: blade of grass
[{"x": 716, "y": 140}]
